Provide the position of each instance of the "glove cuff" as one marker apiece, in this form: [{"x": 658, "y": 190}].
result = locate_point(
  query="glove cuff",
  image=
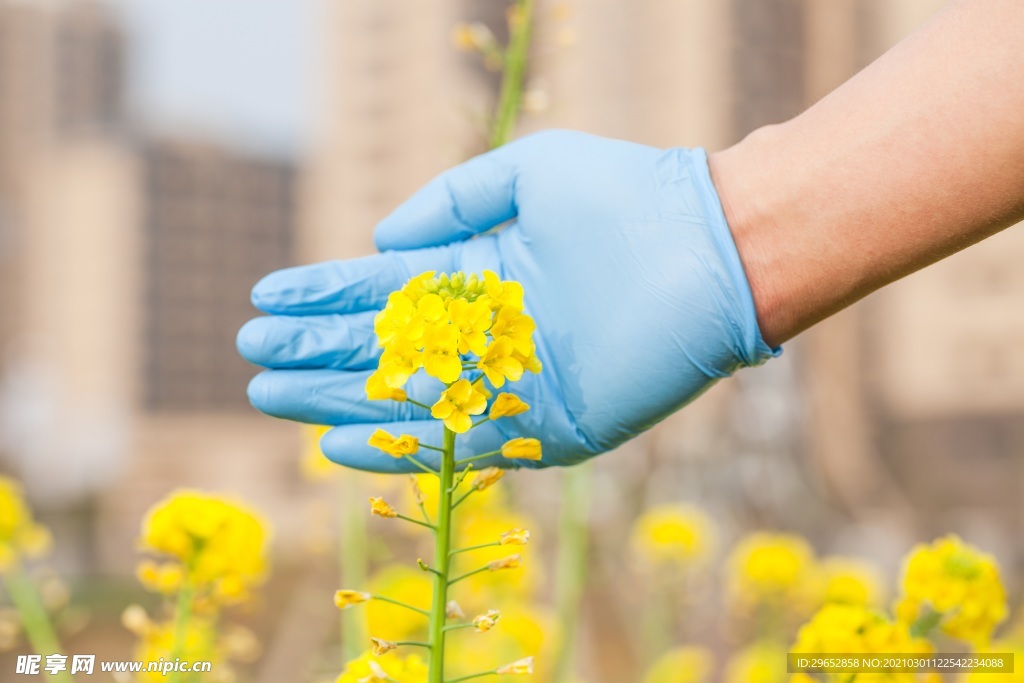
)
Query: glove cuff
[{"x": 749, "y": 345}]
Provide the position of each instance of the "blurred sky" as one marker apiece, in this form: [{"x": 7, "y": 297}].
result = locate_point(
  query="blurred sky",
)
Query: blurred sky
[{"x": 241, "y": 70}]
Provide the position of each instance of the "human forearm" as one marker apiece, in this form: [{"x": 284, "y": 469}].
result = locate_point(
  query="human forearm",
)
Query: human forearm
[{"x": 916, "y": 157}]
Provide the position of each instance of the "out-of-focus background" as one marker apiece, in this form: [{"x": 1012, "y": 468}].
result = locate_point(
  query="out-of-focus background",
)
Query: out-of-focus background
[{"x": 158, "y": 156}]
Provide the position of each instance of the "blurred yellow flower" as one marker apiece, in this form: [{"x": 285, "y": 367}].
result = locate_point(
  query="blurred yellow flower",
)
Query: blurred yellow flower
[
  {"x": 850, "y": 581},
  {"x": 395, "y": 446},
  {"x": 485, "y": 622},
  {"x": 407, "y": 585},
  {"x": 314, "y": 464},
  {"x": 676, "y": 535},
  {"x": 345, "y": 598},
  {"x": 20, "y": 536},
  {"x": 218, "y": 543},
  {"x": 457, "y": 403},
  {"x": 381, "y": 508},
  {"x": 766, "y": 567},
  {"x": 855, "y": 629},
  {"x": 523, "y": 448},
  {"x": 759, "y": 663},
  {"x": 687, "y": 664},
  {"x": 158, "y": 641},
  {"x": 507, "y": 405},
  {"x": 957, "y": 581},
  {"x": 369, "y": 669}
]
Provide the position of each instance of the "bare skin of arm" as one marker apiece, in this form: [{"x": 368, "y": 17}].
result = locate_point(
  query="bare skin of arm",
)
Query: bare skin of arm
[{"x": 913, "y": 159}]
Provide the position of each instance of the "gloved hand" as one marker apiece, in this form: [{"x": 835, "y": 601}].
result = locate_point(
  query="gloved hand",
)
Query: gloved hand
[{"x": 629, "y": 270}]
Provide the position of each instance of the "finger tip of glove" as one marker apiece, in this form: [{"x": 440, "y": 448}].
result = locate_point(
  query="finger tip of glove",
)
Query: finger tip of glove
[
  {"x": 258, "y": 392},
  {"x": 250, "y": 340}
]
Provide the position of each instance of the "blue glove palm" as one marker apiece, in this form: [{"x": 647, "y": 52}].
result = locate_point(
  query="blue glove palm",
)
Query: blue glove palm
[{"x": 629, "y": 271}]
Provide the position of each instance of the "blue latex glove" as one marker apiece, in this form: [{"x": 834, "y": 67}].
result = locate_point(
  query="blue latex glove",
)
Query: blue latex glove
[{"x": 629, "y": 270}]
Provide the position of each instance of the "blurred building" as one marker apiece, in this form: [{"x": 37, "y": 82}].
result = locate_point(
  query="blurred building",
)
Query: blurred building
[{"x": 125, "y": 267}]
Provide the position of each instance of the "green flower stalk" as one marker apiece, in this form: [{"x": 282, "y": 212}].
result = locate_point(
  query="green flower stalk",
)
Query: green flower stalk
[
  {"x": 21, "y": 537},
  {"x": 468, "y": 332}
]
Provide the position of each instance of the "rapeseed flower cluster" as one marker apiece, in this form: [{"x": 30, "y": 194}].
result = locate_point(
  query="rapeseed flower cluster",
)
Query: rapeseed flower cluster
[
  {"x": 956, "y": 586},
  {"x": 207, "y": 552},
  {"x": 858, "y": 630},
  {"x": 673, "y": 535},
  {"x": 471, "y": 333},
  {"x": 208, "y": 543}
]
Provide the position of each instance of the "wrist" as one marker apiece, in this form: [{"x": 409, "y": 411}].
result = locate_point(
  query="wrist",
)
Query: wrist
[{"x": 752, "y": 216}]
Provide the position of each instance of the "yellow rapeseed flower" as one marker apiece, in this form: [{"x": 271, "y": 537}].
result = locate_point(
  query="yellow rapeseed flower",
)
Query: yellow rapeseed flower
[
  {"x": 688, "y": 664},
  {"x": 441, "y": 352},
  {"x": 487, "y": 477},
  {"x": 675, "y": 535},
  {"x": 522, "y": 448},
  {"x": 766, "y": 567},
  {"x": 520, "y": 667},
  {"x": 517, "y": 327},
  {"x": 510, "y": 562},
  {"x": 485, "y": 622},
  {"x": 503, "y": 294},
  {"x": 398, "y": 363},
  {"x": 382, "y": 647},
  {"x": 395, "y": 446},
  {"x": 457, "y": 403},
  {"x": 497, "y": 363},
  {"x": 20, "y": 536},
  {"x": 507, "y": 405},
  {"x": 159, "y": 641},
  {"x": 418, "y": 286},
  {"x": 378, "y": 390},
  {"x": 957, "y": 581},
  {"x": 472, "y": 320},
  {"x": 515, "y": 537},
  {"x": 395, "y": 319},
  {"x": 381, "y": 508},
  {"x": 218, "y": 543},
  {"x": 345, "y": 598}
]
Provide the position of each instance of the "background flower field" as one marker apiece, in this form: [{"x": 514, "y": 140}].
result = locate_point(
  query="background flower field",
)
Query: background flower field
[{"x": 154, "y": 164}]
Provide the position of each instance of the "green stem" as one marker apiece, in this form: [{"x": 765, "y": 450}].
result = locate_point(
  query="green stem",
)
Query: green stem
[
  {"x": 456, "y": 627},
  {"x": 442, "y": 561},
  {"x": 492, "y": 672},
  {"x": 468, "y": 574},
  {"x": 477, "y": 457},
  {"x": 571, "y": 563},
  {"x": 413, "y": 520},
  {"x": 413, "y": 643},
  {"x": 34, "y": 618},
  {"x": 474, "y": 547},
  {"x": 511, "y": 96},
  {"x": 383, "y": 598},
  {"x": 353, "y": 551},
  {"x": 417, "y": 403},
  {"x": 419, "y": 464},
  {"x": 182, "y": 616}
]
